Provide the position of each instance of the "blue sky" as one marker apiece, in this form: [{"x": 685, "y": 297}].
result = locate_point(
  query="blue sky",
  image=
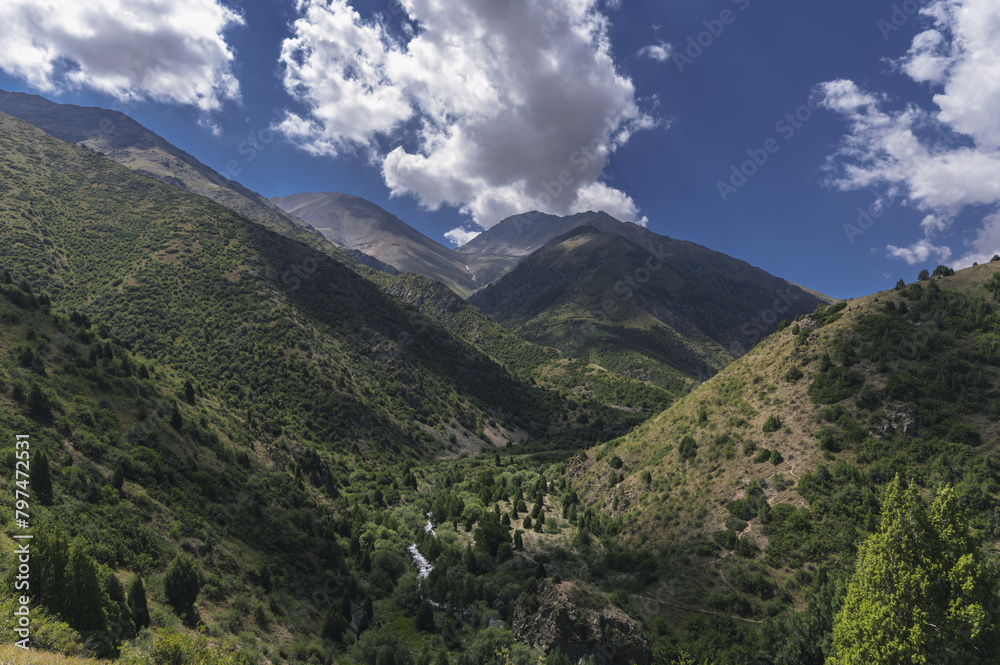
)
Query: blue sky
[{"x": 839, "y": 145}]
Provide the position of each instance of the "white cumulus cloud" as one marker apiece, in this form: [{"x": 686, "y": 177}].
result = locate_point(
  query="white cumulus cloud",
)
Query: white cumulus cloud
[
  {"x": 659, "y": 52},
  {"x": 942, "y": 160},
  {"x": 919, "y": 252},
  {"x": 164, "y": 50},
  {"x": 494, "y": 108},
  {"x": 460, "y": 236}
]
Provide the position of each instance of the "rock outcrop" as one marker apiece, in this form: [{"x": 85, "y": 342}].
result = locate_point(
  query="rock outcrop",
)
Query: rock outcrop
[{"x": 581, "y": 623}]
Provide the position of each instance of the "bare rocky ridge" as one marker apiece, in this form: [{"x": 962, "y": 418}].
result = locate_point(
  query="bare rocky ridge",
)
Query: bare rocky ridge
[{"x": 355, "y": 223}]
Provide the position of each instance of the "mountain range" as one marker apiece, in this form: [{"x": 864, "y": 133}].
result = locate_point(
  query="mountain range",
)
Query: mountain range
[{"x": 298, "y": 430}]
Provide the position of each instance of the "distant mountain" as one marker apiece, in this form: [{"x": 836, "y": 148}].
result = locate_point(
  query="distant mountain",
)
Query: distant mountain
[
  {"x": 355, "y": 223},
  {"x": 639, "y": 303}
]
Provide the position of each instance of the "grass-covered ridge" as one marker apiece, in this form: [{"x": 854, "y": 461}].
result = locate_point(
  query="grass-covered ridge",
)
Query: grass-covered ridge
[
  {"x": 590, "y": 383},
  {"x": 644, "y": 306}
]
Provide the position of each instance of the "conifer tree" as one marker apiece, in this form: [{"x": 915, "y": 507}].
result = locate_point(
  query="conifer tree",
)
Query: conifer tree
[
  {"x": 118, "y": 478},
  {"x": 48, "y": 569},
  {"x": 425, "y": 617},
  {"x": 176, "y": 419},
  {"x": 335, "y": 626},
  {"x": 368, "y": 609},
  {"x": 182, "y": 583},
  {"x": 118, "y": 610},
  {"x": 345, "y": 608},
  {"x": 87, "y": 598},
  {"x": 490, "y": 534},
  {"x": 40, "y": 479},
  {"x": 39, "y": 405},
  {"x": 137, "y": 603}
]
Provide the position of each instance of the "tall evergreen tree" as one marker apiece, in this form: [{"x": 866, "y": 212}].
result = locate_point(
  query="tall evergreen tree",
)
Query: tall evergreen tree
[
  {"x": 334, "y": 626},
  {"x": 176, "y": 419},
  {"x": 368, "y": 609},
  {"x": 425, "y": 617},
  {"x": 490, "y": 534},
  {"x": 39, "y": 405},
  {"x": 87, "y": 598},
  {"x": 137, "y": 603},
  {"x": 48, "y": 569},
  {"x": 118, "y": 478},
  {"x": 920, "y": 591},
  {"x": 345, "y": 608},
  {"x": 364, "y": 623},
  {"x": 118, "y": 611},
  {"x": 182, "y": 583},
  {"x": 40, "y": 479}
]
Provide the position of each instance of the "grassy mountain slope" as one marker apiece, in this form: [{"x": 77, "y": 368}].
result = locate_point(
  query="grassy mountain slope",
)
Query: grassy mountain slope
[
  {"x": 760, "y": 484},
  {"x": 532, "y": 362},
  {"x": 299, "y": 339},
  {"x": 124, "y": 140},
  {"x": 353, "y": 222},
  {"x": 642, "y": 305},
  {"x": 197, "y": 477}
]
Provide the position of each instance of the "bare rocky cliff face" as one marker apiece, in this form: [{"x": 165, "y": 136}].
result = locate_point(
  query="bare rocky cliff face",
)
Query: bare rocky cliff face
[{"x": 572, "y": 619}]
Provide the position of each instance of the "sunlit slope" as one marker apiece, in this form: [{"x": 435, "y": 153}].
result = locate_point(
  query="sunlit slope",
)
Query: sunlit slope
[{"x": 782, "y": 456}]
